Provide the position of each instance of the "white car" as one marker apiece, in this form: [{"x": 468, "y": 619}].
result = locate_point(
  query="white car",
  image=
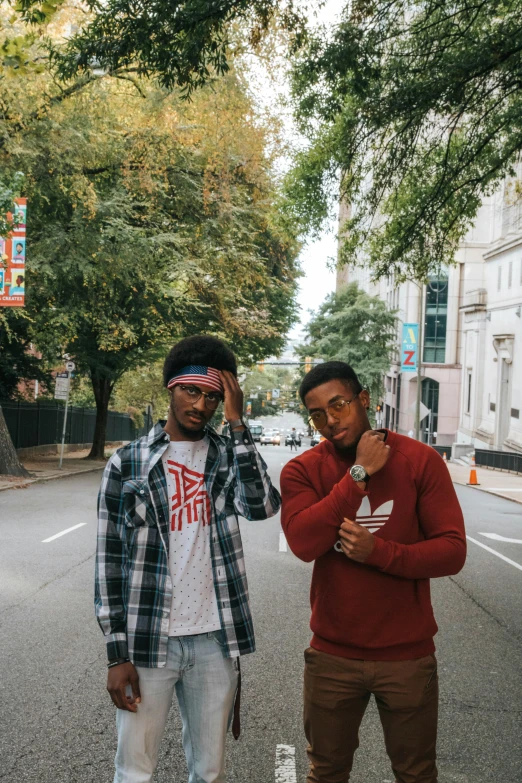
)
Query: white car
[{"x": 270, "y": 438}]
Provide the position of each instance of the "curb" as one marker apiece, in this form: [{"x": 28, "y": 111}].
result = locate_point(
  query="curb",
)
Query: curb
[
  {"x": 41, "y": 479},
  {"x": 489, "y": 491}
]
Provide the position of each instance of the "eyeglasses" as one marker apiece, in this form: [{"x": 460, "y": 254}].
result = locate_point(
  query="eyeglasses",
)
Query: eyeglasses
[
  {"x": 193, "y": 394},
  {"x": 319, "y": 419}
]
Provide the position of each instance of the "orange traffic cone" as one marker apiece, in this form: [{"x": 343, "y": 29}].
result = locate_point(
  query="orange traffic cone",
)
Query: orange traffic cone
[{"x": 473, "y": 482}]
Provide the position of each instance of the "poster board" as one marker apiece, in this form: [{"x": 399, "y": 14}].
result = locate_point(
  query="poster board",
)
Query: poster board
[{"x": 12, "y": 263}]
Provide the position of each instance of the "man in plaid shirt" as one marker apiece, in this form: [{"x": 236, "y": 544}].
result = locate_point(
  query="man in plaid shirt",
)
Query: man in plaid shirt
[{"x": 171, "y": 592}]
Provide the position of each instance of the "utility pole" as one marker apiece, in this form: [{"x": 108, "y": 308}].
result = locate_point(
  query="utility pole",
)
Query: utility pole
[{"x": 420, "y": 353}]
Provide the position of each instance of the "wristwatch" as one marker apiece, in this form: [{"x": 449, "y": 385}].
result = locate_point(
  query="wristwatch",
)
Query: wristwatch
[
  {"x": 236, "y": 423},
  {"x": 358, "y": 473}
]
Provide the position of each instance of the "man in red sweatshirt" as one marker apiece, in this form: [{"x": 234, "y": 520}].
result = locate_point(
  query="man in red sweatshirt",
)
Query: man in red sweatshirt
[{"x": 378, "y": 514}]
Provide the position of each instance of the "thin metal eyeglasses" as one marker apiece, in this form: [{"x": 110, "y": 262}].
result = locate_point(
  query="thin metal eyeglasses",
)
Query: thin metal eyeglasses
[
  {"x": 319, "y": 419},
  {"x": 193, "y": 394}
]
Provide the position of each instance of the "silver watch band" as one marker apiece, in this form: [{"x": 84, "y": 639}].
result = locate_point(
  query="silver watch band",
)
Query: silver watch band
[{"x": 236, "y": 423}]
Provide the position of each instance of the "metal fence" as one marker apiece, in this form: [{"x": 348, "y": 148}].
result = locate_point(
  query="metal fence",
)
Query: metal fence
[
  {"x": 501, "y": 460},
  {"x": 40, "y": 423}
]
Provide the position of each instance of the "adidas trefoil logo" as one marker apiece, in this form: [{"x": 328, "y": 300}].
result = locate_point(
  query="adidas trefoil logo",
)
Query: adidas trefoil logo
[
  {"x": 376, "y": 520},
  {"x": 373, "y": 522}
]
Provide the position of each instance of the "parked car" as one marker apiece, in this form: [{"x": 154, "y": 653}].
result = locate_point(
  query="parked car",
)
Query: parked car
[
  {"x": 270, "y": 438},
  {"x": 288, "y": 439},
  {"x": 316, "y": 438}
]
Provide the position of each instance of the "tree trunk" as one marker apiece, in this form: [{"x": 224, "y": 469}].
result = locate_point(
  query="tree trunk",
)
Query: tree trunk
[
  {"x": 10, "y": 465},
  {"x": 102, "y": 388}
]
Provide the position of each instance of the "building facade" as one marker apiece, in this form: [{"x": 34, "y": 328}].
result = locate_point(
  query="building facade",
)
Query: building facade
[{"x": 471, "y": 371}]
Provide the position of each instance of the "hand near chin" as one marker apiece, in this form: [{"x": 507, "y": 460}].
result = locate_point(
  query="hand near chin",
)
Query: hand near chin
[{"x": 372, "y": 452}]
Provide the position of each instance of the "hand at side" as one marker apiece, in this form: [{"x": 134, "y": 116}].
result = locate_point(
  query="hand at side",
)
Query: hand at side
[{"x": 119, "y": 677}]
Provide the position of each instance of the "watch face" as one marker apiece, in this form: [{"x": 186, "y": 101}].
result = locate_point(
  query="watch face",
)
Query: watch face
[{"x": 358, "y": 473}]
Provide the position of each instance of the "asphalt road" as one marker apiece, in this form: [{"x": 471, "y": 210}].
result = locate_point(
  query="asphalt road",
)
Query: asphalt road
[{"x": 57, "y": 722}]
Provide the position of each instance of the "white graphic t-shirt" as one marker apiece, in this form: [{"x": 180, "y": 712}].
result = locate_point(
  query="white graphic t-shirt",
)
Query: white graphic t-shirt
[{"x": 194, "y": 605}]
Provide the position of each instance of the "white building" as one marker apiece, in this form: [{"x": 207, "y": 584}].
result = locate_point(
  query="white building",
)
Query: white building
[
  {"x": 471, "y": 373},
  {"x": 491, "y": 353}
]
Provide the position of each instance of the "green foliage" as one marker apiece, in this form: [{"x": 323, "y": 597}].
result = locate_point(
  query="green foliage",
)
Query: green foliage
[
  {"x": 414, "y": 112},
  {"x": 263, "y": 381},
  {"x": 352, "y": 326},
  {"x": 184, "y": 43},
  {"x": 142, "y": 387},
  {"x": 17, "y": 362},
  {"x": 149, "y": 219}
]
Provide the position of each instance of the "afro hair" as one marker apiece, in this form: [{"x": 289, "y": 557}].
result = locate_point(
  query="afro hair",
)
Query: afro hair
[{"x": 201, "y": 349}]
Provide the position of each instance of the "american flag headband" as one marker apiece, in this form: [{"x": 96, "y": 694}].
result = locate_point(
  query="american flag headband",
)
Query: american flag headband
[{"x": 196, "y": 373}]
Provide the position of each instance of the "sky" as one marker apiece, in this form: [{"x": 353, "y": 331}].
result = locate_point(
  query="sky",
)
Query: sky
[{"x": 319, "y": 277}]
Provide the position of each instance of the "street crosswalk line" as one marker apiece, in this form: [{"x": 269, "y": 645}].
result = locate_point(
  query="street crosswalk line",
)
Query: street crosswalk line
[
  {"x": 285, "y": 771},
  {"x": 283, "y": 546}
]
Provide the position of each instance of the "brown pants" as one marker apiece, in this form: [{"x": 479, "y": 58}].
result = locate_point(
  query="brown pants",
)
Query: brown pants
[{"x": 336, "y": 694}]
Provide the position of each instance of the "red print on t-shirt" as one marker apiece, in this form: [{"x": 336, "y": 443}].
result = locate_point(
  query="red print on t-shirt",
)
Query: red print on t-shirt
[{"x": 190, "y": 502}]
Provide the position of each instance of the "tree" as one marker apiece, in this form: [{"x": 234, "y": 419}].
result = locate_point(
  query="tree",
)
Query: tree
[
  {"x": 352, "y": 326},
  {"x": 150, "y": 219},
  {"x": 262, "y": 382},
  {"x": 18, "y": 364},
  {"x": 414, "y": 112},
  {"x": 183, "y": 43}
]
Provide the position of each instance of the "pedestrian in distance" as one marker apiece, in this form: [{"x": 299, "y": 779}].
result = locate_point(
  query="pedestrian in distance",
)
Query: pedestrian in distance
[
  {"x": 171, "y": 592},
  {"x": 378, "y": 514},
  {"x": 293, "y": 439}
]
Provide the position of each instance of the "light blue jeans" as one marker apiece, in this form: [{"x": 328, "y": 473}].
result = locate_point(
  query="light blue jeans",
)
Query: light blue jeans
[{"x": 205, "y": 683}]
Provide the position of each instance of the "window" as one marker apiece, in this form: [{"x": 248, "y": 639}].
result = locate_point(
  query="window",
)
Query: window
[
  {"x": 430, "y": 398},
  {"x": 468, "y": 402},
  {"x": 435, "y": 322},
  {"x": 510, "y": 274},
  {"x": 499, "y": 278}
]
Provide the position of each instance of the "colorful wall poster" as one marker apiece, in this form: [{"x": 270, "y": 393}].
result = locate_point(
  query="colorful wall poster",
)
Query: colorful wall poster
[{"x": 12, "y": 260}]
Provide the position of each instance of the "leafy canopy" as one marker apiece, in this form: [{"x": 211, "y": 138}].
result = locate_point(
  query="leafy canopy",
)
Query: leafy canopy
[
  {"x": 183, "y": 43},
  {"x": 353, "y": 327},
  {"x": 414, "y": 113}
]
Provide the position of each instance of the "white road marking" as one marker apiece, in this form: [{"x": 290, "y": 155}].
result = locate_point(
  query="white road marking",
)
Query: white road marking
[
  {"x": 283, "y": 546},
  {"x": 504, "y": 489},
  {"x": 496, "y": 537},
  {"x": 494, "y": 552},
  {"x": 69, "y": 530},
  {"x": 285, "y": 764}
]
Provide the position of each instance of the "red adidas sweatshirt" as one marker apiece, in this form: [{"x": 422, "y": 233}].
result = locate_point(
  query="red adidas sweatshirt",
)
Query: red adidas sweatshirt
[{"x": 380, "y": 609}]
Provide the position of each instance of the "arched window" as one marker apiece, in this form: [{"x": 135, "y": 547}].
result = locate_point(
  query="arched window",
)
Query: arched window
[{"x": 430, "y": 398}]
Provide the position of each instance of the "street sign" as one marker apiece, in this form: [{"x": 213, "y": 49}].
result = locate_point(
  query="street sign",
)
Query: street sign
[
  {"x": 61, "y": 390},
  {"x": 276, "y": 394},
  {"x": 70, "y": 366},
  {"x": 409, "y": 347},
  {"x": 424, "y": 411}
]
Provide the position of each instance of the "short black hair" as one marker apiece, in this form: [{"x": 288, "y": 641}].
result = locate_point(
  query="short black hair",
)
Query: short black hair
[
  {"x": 200, "y": 349},
  {"x": 329, "y": 371}
]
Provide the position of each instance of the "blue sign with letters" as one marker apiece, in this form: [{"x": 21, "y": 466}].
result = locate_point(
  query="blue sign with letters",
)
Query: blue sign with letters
[{"x": 410, "y": 347}]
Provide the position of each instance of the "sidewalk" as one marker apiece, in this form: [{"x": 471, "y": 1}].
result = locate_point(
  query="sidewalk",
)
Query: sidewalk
[
  {"x": 500, "y": 483},
  {"x": 46, "y": 469}
]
